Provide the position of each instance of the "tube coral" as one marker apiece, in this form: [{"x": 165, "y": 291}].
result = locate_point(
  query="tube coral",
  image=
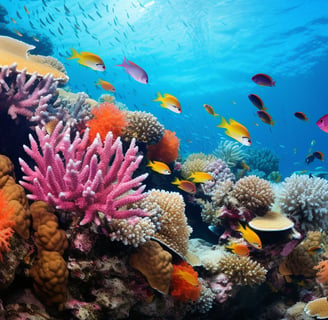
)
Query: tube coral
[
  {"x": 83, "y": 183},
  {"x": 184, "y": 283}
]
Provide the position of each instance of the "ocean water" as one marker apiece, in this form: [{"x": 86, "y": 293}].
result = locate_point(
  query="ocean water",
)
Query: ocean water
[{"x": 200, "y": 52}]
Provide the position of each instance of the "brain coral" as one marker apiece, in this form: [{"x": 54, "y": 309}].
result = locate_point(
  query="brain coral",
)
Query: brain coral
[
  {"x": 305, "y": 200},
  {"x": 196, "y": 162},
  {"x": 142, "y": 126},
  {"x": 107, "y": 117},
  {"x": 242, "y": 270},
  {"x": 166, "y": 150},
  {"x": 253, "y": 193}
]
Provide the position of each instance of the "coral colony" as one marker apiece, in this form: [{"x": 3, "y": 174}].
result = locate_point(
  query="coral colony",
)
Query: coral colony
[{"x": 89, "y": 233}]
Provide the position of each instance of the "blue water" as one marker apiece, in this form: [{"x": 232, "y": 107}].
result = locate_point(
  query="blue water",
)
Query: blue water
[{"x": 201, "y": 52}]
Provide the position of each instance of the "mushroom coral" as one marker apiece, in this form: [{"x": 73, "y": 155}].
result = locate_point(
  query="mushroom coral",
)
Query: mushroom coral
[
  {"x": 184, "y": 283},
  {"x": 166, "y": 150}
]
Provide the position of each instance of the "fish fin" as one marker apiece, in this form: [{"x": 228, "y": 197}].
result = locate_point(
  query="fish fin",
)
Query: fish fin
[
  {"x": 124, "y": 64},
  {"x": 223, "y": 124},
  {"x": 240, "y": 227},
  {"x": 234, "y": 122},
  {"x": 150, "y": 163},
  {"x": 132, "y": 63},
  {"x": 274, "y": 83},
  {"x": 98, "y": 83},
  {"x": 215, "y": 115},
  {"x": 264, "y": 108},
  {"x": 75, "y": 54},
  {"x": 159, "y": 98},
  {"x": 176, "y": 181}
]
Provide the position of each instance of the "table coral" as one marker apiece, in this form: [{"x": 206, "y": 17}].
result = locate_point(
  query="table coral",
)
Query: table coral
[{"x": 317, "y": 308}]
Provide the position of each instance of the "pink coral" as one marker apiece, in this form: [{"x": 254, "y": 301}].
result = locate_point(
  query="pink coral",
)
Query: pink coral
[{"x": 85, "y": 180}]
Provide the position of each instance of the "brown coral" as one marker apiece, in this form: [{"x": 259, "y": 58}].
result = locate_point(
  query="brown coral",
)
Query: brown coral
[
  {"x": 253, "y": 193},
  {"x": 50, "y": 276},
  {"x": 174, "y": 230},
  {"x": 317, "y": 308},
  {"x": 242, "y": 270},
  {"x": 142, "y": 126},
  {"x": 155, "y": 264}
]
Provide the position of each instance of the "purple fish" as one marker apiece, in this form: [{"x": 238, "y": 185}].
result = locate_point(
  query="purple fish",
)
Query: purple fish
[
  {"x": 134, "y": 71},
  {"x": 263, "y": 80},
  {"x": 322, "y": 123},
  {"x": 257, "y": 101}
]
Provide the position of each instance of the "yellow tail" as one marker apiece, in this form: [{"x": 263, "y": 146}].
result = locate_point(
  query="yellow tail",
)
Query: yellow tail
[
  {"x": 75, "y": 54},
  {"x": 223, "y": 124},
  {"x": 176, "y": 181},
  {"x": 159, "y": 97}
]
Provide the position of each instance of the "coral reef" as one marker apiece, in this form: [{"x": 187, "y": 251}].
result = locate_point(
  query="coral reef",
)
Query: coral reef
[
  {"x": 262, "y": 160},
  {"x": 317, "y": 309},
  {"x": 221, "y": 287},
  {"x": 230, "y": 152}
]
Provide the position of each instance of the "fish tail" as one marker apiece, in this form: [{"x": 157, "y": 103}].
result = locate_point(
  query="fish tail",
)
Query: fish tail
[
  {"x": 98, "y": 83},
  {"x": 75, "y": 54},
  {"x": 176, "y": 181},
  {"x": 223, "y": 124},
  {"x": 274, "y": 83},
  {"x": 240, "y": 228},
  {"x": 124, "y": 64},
  {"x": 159, "y": 97},
  {"x": 150, "y": 163}
]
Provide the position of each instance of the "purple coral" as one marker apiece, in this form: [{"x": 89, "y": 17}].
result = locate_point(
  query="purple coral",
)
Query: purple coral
[
  {"x": 75, "y": 177},
  {"x": 21, "y": 93}
]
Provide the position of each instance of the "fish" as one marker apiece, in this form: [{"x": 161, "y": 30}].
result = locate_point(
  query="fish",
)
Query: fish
[
  {"x": 313, "y": 142},
  {"x": 265, "y": 117},
  {"x": 18, "y": 15},
  {"x": 319, "y": 155},
  {"x": 257, "y": 101},
  {"x": 50, "y": 126},
  {"x": 13, "y": 20},
  {"x": 322, "y": 123},
  {"x": 26, "y": 10},
  {"x": 200, "y": 177},
  {"x": 238, "y": 248},
  {"x": 67, "y": 11},
  {"x": 250, "y": 236},
  {"x": 301, "y": 116},
  {"x": 159, "y": 167},
  {"x": 210, "y": 110},
  {"x": 136, "y": 72},
  {"x": 217, "y": 230},
  {"x": 17, "y": 32},
  {"x": 236, "y": 131},
  {"x": 263, "y": 80},
  {"x": 309, "y": 158},
  {"x": 105, "y": 85},
  {"x": 35, "y": 39},
  {"x": 185, "y": 185},
  {"x": 59, "y": 30},
  {"x": 88, "y": 59},
  {"x": 315, "y": 250},
  {"x": 169, "y": 102}
]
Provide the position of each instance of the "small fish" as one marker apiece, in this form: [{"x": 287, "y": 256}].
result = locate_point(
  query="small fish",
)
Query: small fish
[
  {"x": 50, "y": 126},
  {"x": 322, "y": 123},
  {"x": 26, "y": 10},
  {"x": 200, "y": 177},
  {"x": 169, "y": 102},
  {"x": 136, "y": 72},
  {"x": 159, "y": 167},
  {"x": 294, "y": 150},
  {"x": 315, "y": 250},
  {"x": 18, "y": 15},
  {"x": 13, "y": 20},
  {"x": 185, "y": 185},
  {"x": 313, "y": 142},
  {"x": 263, "y": 80},
  {"x": 210, "y": 110},
  {"x": 309, "y": 158},
  {"x": 256, "y": 124},
  {"x": 59, "y": 30},
  {"x": 35, "y": 39},
  {"x": 265, "y": 117},
  {"x": 67, "y": 11},
  {"x": 257, "y": 101},
  {"x": 301, "y": 116},
  {"x": 216, "y": 230},
  {"x": 105, "y": 85},
  {"x": 17, "y": 32},
  {"x": 250, "y": 236},
  {"x": 236, "y": 131},
  {"x": 44, "y": 3},
  {"x": 88, "y": 59},
  {"x": 319, "y": 155},
  {"x": 238, "y": 248}
]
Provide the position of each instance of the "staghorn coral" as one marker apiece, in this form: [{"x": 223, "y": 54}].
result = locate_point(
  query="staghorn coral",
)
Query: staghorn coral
[
  {"x": 196, "y": 162},
  {"x": 166, "y": 149},
  {"x": 263, "y": 160},
  {"x": 83, "y": 182},
  {"x": 155, "y": 264},
  {"x": 142, "y": 126},
  {"x": 242, "y": 270},
  {"x": 174, "y": 230},
  {"x": 253, "y": 193},
  {"x": 107, "y": 117},
  {"x": 305, "y": 200},
  {"x": 230, "y": 152}
]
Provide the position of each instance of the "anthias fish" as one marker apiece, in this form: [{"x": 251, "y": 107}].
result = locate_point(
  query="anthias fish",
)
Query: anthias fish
[
  {"x": 88, "y": 59},
  {"x": 136, "y": 72},
  {"x": 263, "y": 79},
  {"x": 257, "y": 101},
  {"x": 185, "y": 185},
  {"x": 322, "y": 123},
  {"x": 169, "y": 102},
  {"x": 250, "y": 236},
  {"x": 265, "y": 117},
  {"x": 238, "y": 248},
  {"x": 301, "y": 116},
  {"x": 210, "y": 110},
  {"x": 105, "y": 85},
  {"x": 159, "y": 167},
  {"x": 200, "y": 177}
]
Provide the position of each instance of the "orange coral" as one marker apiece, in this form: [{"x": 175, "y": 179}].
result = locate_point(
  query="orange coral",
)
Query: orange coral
[
  {"x": 166, "y": 150},
  {"x": 184, "y": 283},
  {"x": 322, "y": 274},
  {"x": 107, "y": 117},
  {"x": 6, "y": 225}
]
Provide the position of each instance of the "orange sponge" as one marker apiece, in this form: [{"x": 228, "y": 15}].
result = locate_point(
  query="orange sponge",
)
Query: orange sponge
[
  {"x": 166, "y": 150},
  {"x": 184, "y": 283},
  {"x": 322, "y": 273},
  {"x": 107, "y": 117}
]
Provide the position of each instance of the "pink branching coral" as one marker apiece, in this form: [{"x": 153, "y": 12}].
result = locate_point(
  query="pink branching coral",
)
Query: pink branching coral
[{"x": 75, "y": 177}]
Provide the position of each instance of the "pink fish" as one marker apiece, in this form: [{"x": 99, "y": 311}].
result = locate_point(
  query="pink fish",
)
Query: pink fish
[
  {"x": 322, "y": 123},
  {"x": 136, "y": 72},
  {"x": 263, "y": 80}
]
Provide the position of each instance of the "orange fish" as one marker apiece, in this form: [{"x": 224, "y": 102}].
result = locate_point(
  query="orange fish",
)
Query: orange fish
[
  {"x": 238, "y": 248},
  {"x": 105, "y": 85},
  {"x": 185, "y": 185},
  {"x": 159, "y": 167},
  {"x": 250, "y": 236},
  {"x": 210, "y": 110},
  {"x": 200, "y": 177},
  {"x": 315, "y": 250}
]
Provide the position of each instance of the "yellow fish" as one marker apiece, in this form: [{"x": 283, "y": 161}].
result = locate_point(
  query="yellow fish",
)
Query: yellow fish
[
  {"x": 200, "y": 177},
  {"x": 236, "y": 131},
  {"x": 250, "y": 236},
  {"x": 105, "y": 85},
  {"x": 159, "y": 167},
  {"x": 238, "y": 248},
  {"x": 169, "y": 102},
  {"x": 185, "y": 185},
  {"x": 210, "y": 110},
  {"x": 88, "y": 59}
]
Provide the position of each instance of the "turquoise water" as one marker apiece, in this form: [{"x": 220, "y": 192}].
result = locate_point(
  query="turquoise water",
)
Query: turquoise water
[{"x": 200, "y": 52}]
